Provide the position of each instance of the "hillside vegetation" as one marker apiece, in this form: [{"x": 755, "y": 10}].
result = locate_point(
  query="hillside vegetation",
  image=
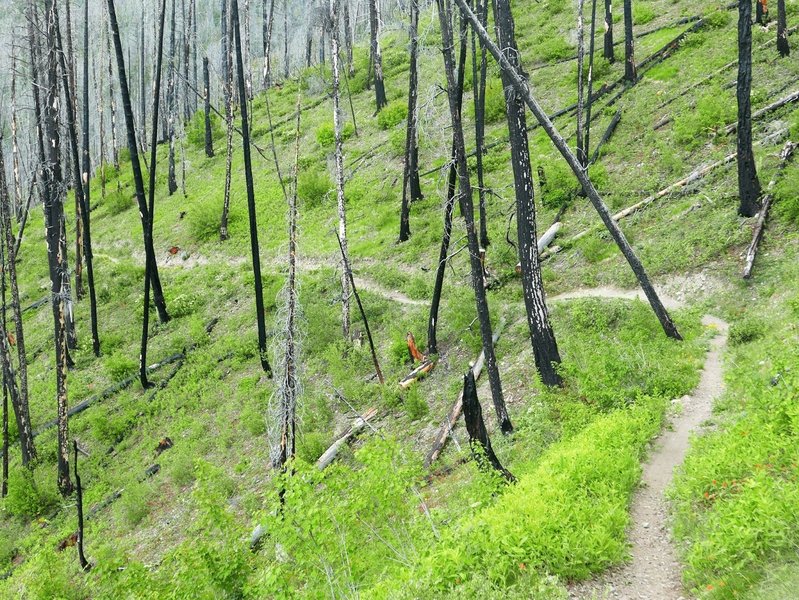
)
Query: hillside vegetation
[{"x": 378, "y": 523}]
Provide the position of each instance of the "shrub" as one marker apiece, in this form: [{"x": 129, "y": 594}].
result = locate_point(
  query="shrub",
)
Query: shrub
[
  {"x": 313, "y": 186},
  {"x": 195, "y": 129},
  {"x": 415, "y": 406},
  {"x": 326, "y": 134},
  {"x": 134, "y": 505},
  {"x": 26, "y": 498},
  {"x": 120, "y": 365},
  {"x": 311, "y": 445},
  {"x": 786, "y": 198},
  {"x": 118, "y": 201},
  {"x": 203, "y": 218},
  {"x": 642, "y": 14},
  {"x": 392, "y": 114},
  {"x": 713, "y": 110},
  {"x": 183, "y": 305},
  {"x": 495, "y": 101},
  {"x": 396, "y": 139},
  {"x": 746, "y": 330}
]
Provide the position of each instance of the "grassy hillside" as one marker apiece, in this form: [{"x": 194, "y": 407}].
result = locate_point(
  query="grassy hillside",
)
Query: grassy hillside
[{"x": 377, "y": 523}]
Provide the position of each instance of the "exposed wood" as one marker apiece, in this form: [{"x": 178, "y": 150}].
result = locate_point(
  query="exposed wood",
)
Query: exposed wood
[
  {"x": 545, "y": 240},
  {"x": 329, "y": 455},
  {"x": 426, "y": 366},
  {"x": 414, "y": 351},
  {"x": 751, "y": 252},
  {"x": 790, "y": 98},
  {"x": 455, "y": 412}
]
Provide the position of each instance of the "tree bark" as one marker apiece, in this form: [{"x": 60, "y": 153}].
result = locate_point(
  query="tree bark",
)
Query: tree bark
[
  {"x": 84, "y": 564},
  {"x": 608, "y": 38},
  {"x": 209, "y": 136},
  {"x": 285, "y": 39},
  {"x": 268, "y": 22},
  {"x": 748, "y": 182},
  {"x": 171, "y": 104},
  {"x": 630, "y": 73},
  {"x": 411, "y": 189},
  {"x": 53, "y": 206},
  {"x": 581, "y": 152},
  {"x": 479, "y": 441},
  {"x": 542, "y": 337},
  {"x": 587, "y": 144},
  {"x": 228, "y": 97},
  {"x": 523, "y": 90},
  {"x": 348, "y": 37},
  {"x": 377, "y": 58},
  {"x": 467, "y": 212},
  {"x": 145, "y": 212},
  {"x": 143, "y": 86},
  {"x": 782, "y": 32},
  {"x": 256, "y": 257},
  {"x": 761, "y": 12}
]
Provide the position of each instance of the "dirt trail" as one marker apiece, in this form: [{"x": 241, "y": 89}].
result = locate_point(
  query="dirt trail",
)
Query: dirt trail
[{"x": 654, "y": 571}]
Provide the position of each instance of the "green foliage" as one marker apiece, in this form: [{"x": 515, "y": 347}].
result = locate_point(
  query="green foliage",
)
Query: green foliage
[
  {"x": 182, "y": 305},
  {"x": 27, "y": 498},
  {"x": 786, "y": 199},
  {"x": 204, "y": 217},
  {"x": 314, "y": 186},
  {"x": 392, "y": 114},
  {"x": 195, "y": 130},
  {"x": 118, "y": 201},
  {"x": 134, "y": 504},
  {"x": 746, "y": 330},
  {"x": 717, "y": 19},
  {"x": 494, "y": 101},
  {"x": 396, "y": 140},
  {"x": 311, "y": 445},
  {"x": 642, "y": 14},
  {"x": 326, "y": 134},
  {"x": 415, "y": 405},
  {"x": 120, "y": 365},
  {"x": 713, "y": 111}
]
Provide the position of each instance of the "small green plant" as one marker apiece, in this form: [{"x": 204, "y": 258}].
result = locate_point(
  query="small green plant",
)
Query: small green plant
[
  {"x": 392, "y": 114},
  {"x": 118, "y": 201},
  {"x": 134, "y": 505},
  {"x": 195, "y": 129},
  {"x": 326, "y": 135},
  {"x": 183, "y": 305},
  {"x": 712, "y": 112},
  {"x": 311, "y": 445},
  {"x": 642, "y": 14},
  {"x": 746, "y": 330},
  {"x": 119, "y": 365},
  {"x": 26, "y": 497},
  {"x": 313, "y": 186},
  {"x": 495, "y": 101},
  {"x": 415, "y": 405}
]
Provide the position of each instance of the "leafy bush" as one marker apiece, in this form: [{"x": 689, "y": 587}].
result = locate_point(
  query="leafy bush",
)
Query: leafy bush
[
  {"x": 396, "y": 139},
  {"x": 26, "y": 498},
  {"x": 746, "y": 330},
  {"x": 495, "y": 101},
  {"x": 195, "y": 129},
  {"x": 713, "y": 111},
  {"x": 326, "y": 134},
  {"x": 415, "y": 405},
  {"x": 311, "y": 445},
  {"x": 134, "y": 505},
  {"x": 642, "y": 14},
  {"x": 183, "y": 305},
  {"x": 313, "y": 186},
  {"x": 203, "y": 218},
  {"x": 392, "y": 114},
  {"x": 118, "y": 201},
  {"x": 120, "y": 365}
]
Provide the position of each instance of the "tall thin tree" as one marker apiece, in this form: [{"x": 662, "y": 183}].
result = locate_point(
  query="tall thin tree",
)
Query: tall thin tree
[
  {"x": 748, "y": 182},
  {"x": 268, "y": 16},
  {"x": 782, "y": 30},
  {"x": 377, "y": 57},
  {"x": 630, "y": 73},
  {"x": 254, "y": 247},
  {"x": 209, "y": 136},
  {"x": 608, "y": 37},
  {"x": 411, "y": 190},
  {"x": 171, "y": 102}
]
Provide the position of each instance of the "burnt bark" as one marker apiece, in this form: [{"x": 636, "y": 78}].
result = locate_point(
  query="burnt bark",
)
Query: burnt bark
[
  {"x": 761, "y": 12},
  {"x": 171, "y": 104},
  {"x": 377, "y": 57},
  {"x": 479, "y": 442},
  {"x": 521, "y": 87},
  {"x": 782, "y": 30},
  {"x": 748, "y": 182},
  {"x": 589, "y": 103},
  {"x": 228, "y": 98},
  {"x": 542, "y": 337},
  {"x": 411, "y": 189},
  {"x": 608, "y": 37},
  {"x": 209, "y": 136},
  {"x": 479, "y": 87},
  {"x": 348, "y": 38},
  {"x": 467, "y": 212},
  {"x": 581, "y": 152},
  {"x": 630, "y": 73},
  {"x": 245, "y": 131},
  {"x": 267, "y": 24},
  {"x": 84, "y": 564}
]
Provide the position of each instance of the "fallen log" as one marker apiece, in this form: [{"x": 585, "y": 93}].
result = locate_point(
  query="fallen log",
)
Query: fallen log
[
  {"x": 424, "y": 368},
  {"x": 329, "y": 455},
  {"x": 37, "y": 304},
  {"x": 457, "y": 408},
  {"x": 608, "y": 134},
  {"x": 545, "y": 240},
  {"x": 792, "y": 97},
  {"x": 751, "y": 252}
]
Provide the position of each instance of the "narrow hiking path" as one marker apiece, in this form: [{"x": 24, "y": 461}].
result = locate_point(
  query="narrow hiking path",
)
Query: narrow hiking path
[{"x": 654, "y": 571}]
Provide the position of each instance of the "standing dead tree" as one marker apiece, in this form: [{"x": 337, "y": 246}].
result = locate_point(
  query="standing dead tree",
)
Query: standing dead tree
[
  {"x": 209, "y": 135},
  {"x": 479, "y": 87},
  {"x": 171, "y": 103},
  {"x": 467, "y": 212},
  {"x": 55, "y": 190},
  {"x": 581, "y": 151},
  {"x": 608, "y": 38},
  {"x": 587, "y": 143},
  {"x": 630, "y": 73},
  {"x": 521, "y": 87},
  {"x": 479, "y": 441},
  {"x": 254, "y": 247},
  {"x": 411, "y": 190},
  {"x": 542, "y": 337},
  {"x": 268, "y": 22},
  {"x": 782, "y": 30},
  {"x": 376, "y": 55},
  {"x": 227, "y": 87},
  {"x": 84, "y": 564},
  {"x": 748, "y": 182}
]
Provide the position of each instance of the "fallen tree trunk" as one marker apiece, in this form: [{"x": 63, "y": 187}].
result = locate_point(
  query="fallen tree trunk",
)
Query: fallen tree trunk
[
  {"x": 329, "y": 455},
  {"x": 760, "y": 227},
  {"x": 545, "y": 240},
  {"x": 457, "y": 408},
  {"x": 423, "y": 369},
  {"x": 792, "y": 97},
  {"x": 608, "y": 134}
]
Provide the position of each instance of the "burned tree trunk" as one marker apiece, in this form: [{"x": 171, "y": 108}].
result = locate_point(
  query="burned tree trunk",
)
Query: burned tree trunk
[
  {"x": 143, "y": 87},
  {"x": 4, "y": 475},
  {"x": 346, "y": 276},
  {"x": 268, "y": 23},
  {"x": 479, "y": 87},
  {"x": 608, "y": 38},
  {"x": 348, "y": 38},
  {"x": 587, "y": 144},
  {"x": 285, "y": 39},
  {"x": 377, "y": 58},
  {"x": 228, "y": 98},
  {"x": 55, "y": 190},
  {"x": 449, "y": 205},
  {"x": 411, "y": 189},
  {"x": 467, "y": 211},
  {"x": 171, "y": 104},
  {"x": 84, "y": 564},
  {"x": 479, "y": 442},
  {"x": 581, "y": 152},
  {"x": 761, "y": 12},
  {"x": 15, "y": 163},
  {"x": 782, "y": 32},
  {"x": 112, "y": 102},
  {"x": 748, "y": 182},
  {"x": 151, "y": 265},
  {"x": 520, "y": 85},
  {"x": 209, "y": 136},
  {"x": 245, "y": 134},
  {"x": 545, "y": 348},
  {"x": 630, "y": 73}
]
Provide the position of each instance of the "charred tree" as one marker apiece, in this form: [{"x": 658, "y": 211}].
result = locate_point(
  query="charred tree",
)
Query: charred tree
[
  {"x": 17, "y": 208},
  {"x": 376, "y": 55},
  {"x": 143, "y": 86},
  {"x": 151, "y": 266},
  {"x": 608, "y": 37},
  {"x": 228, "y": 99},
  {"x": 4, "y": 475},
  {"x": 267, "y": 25},
  {"x": 521, "y": 87},
  {"x": 589, "y": 103},
  {"x": 782, "y": 30},
  {"x": 545, "y": 348},
  {"x": 245, "y": 134},
  {"x": 84, "y": 564},
  {"x": 411, "y": 190},
  {"x": 761, "y": 12},
  {"x": 112, "y": 100},
  {"x": 449, "y": 206},
  {"x": 209, "y": 136},
  {"x": 348, "y": 38},
  {"x": 55, "y": 190},
  {"x": 467, "y": 212},
  {"x": 630, "y": 73},
  {"x": 479, "y": 87},
  {"x": 581, "y": 152},
  {"x": 285, "y": 39},
  {"x": 748, "y": 182},
  {"x": 346, "y": 276},
  {"x": 479, "y": 442},
  {"x": 171, "y": 104}
]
